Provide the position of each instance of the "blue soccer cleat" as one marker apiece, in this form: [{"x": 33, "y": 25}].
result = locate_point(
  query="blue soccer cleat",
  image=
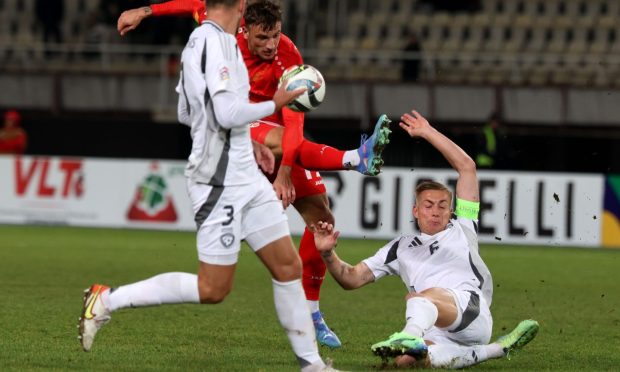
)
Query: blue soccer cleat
[
  {"x": 372, "y": 147},
  {"x": 324, "y": 335}
]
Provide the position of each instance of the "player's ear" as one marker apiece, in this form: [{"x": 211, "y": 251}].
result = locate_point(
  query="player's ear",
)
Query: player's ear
[{"x": 415, "y": 211}]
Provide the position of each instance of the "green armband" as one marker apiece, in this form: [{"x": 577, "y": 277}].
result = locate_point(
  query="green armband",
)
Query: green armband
[{"x": 467, "y": 209}]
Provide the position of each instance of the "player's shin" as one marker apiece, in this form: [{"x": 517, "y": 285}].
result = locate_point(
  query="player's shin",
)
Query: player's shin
[
  {"x": 294, "y": 317},
  {"x": 313, "y": 267},
  {"x": 315, "y": 156},
  {"x": 168, "y": 288},
  {"x": 421, "y": 315}
]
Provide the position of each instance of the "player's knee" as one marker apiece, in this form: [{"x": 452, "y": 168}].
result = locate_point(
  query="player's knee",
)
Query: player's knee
[
  {"x": 431, "y": 294},
  {"x": 211, "y": 294},
  {"x": 321, "y": 212},
  {"x": 289, "y": 270}
]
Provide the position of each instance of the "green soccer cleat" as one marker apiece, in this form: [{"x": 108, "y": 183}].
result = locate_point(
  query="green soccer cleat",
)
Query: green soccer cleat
[
  {"x": 398, "y": 344},
  {"x": 519, "y": 337},
  {"x": 372, "y": 148}
]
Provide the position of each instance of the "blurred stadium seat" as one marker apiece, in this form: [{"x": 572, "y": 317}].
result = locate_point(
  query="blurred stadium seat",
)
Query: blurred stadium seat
[{"x": 565, "y": 42}]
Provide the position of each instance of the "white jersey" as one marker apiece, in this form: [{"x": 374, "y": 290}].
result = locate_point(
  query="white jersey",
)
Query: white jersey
[
  {"x": 211, "y": 62},
  {"x": 448, "y": 259}
]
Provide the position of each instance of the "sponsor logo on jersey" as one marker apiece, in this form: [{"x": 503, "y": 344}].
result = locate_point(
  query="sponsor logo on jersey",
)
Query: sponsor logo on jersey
[{"x": 224, "y": 75}]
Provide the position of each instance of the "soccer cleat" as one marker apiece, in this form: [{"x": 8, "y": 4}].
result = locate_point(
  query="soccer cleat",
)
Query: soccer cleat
[
  {"x": 324, "y": 335},
  {"x": 519, "y": 337},
  {"x": 94, "y": 315},
  {"x": 372, "y": 147},
  {"x": 401, "y": 343}
]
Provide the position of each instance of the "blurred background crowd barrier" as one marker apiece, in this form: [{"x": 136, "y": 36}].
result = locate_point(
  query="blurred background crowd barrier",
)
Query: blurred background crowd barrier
[{"x": 549, "y": 68}]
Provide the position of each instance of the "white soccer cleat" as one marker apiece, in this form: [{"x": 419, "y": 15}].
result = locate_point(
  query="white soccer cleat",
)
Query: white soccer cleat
[{"x": 94, "y": 315}]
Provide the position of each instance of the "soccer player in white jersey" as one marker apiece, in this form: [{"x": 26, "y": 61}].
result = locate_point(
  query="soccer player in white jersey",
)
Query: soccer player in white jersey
[
  {"x": 448, "y": 322},
  {"x": 232, "y": 200}
]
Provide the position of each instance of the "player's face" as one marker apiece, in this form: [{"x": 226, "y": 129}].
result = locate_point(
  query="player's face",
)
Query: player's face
[
  {"x": 432, "y": 210},
  {"x": 261, "y": 43}
]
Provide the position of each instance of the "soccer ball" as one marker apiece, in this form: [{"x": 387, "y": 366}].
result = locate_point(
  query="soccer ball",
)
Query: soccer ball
[{"x": 304, "y": 76}]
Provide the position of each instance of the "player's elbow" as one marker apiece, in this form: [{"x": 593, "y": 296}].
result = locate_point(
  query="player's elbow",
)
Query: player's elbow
[
  {"x": 226, "y": 122},
  {"x": 467, "y": 165}
]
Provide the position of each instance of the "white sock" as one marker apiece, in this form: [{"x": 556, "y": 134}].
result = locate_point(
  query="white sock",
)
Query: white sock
[
  {"x": 421, "y": 316},
  {"x": 168, "y": 288},
  {"x": 313, "y": 305},
  {"x": 351, "y": 159},
  {"x": 294, "y": 316},
  {"x": 456, "y": 356}
]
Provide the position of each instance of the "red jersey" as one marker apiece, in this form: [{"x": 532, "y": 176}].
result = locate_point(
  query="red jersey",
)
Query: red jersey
[
  {"x": 264, "y": 74},
  {"x": 264, "y": 78}
]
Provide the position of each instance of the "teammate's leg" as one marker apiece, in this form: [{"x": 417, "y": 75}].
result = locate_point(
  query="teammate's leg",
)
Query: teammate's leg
[
  {"x": 266, "y": 231},
  {"x": 211, "y": 285},
  {"x": 313, "y": 206},
  {"x": 367, "y": 159}
]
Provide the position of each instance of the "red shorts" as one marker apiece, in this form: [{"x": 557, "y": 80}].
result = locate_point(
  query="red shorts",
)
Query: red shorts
[{"x": 306, "y": 182}]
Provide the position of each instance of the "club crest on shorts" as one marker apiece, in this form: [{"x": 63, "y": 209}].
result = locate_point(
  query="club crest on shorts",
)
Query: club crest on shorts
[{"x": 227, "y": 239}]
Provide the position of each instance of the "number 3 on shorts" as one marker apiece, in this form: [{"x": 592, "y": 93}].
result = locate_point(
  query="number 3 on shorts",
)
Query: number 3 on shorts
[{"x": 230, "y": 215}]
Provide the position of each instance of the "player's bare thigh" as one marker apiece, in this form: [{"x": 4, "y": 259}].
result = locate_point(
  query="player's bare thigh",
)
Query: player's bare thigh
[
  {"x": 444, "y": 301},
  {"x": 215, "y": 282},
  {"x": 268, "y": 135},
  {"x": 314, "y": 208},
  {"x": 281, "y": 259},
  {"x": 273, "y": 140}
]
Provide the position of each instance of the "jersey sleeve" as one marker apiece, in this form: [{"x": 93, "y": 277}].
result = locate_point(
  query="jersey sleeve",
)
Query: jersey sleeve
[
  {"x": 179, "y": 8},
  {"x": 220, "y": 63},
  {"x": 384, "y": 262},
  {"x": 293, "y": 135},
  {"x": 288, "y": 55}
]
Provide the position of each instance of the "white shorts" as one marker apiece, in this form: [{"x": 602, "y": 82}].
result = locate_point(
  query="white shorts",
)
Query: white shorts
[
  {"x": 473, "y": 325},
  {"x": 226, "y": 215}
]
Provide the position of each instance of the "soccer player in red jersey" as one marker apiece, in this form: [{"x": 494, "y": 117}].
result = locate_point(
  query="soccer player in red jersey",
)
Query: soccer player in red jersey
[{"x": 267, "y": 53}]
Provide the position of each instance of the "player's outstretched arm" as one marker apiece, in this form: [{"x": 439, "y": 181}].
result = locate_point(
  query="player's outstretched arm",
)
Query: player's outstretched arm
[
  {"x": 467, "y": 185},
  {"x": 349, "y": 277},
  {"x": 130, "y": 19}
]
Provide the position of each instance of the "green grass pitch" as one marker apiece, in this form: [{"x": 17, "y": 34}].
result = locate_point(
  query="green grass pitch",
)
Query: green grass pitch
[{"x": 573, "y": 293}]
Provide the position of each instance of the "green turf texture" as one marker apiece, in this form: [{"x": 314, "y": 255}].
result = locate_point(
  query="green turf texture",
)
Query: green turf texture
[{"x": 573, "y": 293}]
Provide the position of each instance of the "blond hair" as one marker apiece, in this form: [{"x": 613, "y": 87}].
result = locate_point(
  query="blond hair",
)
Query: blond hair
[{"x": 432, "y": 185}]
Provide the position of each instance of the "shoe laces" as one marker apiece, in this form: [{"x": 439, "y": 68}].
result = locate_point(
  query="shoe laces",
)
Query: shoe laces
[{"x": 364, "y": 138}]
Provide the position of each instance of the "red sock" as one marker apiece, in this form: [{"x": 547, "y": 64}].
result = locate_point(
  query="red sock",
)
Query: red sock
[
  {"x": 314, "y": 156},
  {"x": 313, "y": 266}
]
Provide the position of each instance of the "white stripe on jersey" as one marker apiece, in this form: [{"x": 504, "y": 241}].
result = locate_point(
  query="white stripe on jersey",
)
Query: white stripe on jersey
[
  {"x": 448, "y": 259},
  {"x": 211, "y": 64}
]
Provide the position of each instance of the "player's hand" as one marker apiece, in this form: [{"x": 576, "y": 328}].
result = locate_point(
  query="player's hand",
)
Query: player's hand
[
  {"x": 130, "y": 19},
  {"x": 416, "y": 125},
  {"x": 283, "y": 186},
  {"x": 283, "y": 97},
  {"x": 325, "y": 237},
  {"x": 264, "y": 157}
]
